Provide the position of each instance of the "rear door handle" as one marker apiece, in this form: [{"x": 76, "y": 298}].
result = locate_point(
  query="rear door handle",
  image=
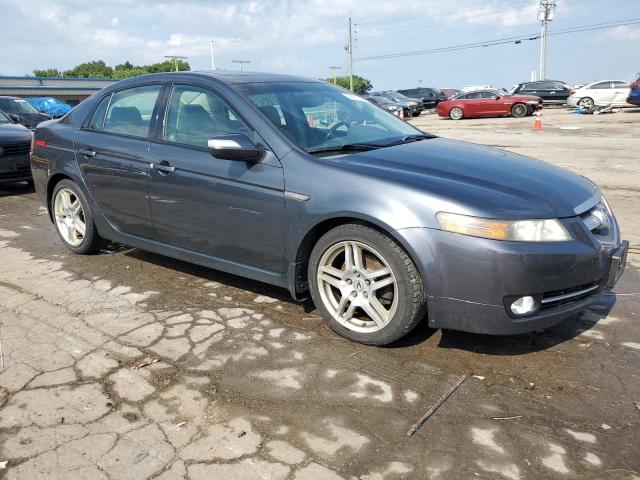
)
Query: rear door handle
[
  {"x": 166, "y": 168},
  {"x": 87, "y": 153}
]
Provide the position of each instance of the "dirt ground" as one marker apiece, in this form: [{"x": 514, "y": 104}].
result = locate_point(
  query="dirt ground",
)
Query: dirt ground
[{"x": 250, "y": 385}]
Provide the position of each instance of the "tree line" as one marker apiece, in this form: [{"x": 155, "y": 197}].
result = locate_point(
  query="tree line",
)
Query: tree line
[{"x": 99, "y": 69}]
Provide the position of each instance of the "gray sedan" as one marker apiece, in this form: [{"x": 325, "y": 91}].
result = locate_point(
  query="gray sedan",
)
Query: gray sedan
[{"x": 305, "y": 185}]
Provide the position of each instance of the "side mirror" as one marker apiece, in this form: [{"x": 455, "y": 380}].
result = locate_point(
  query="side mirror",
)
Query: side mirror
[
  {"x": 235, "y": 146},
  {"x": 498, "y": 97}
]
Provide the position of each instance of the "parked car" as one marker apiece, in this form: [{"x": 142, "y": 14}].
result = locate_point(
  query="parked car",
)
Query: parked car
[
  {"x": 416, "y": 103},
  {"x": 488, "y": 103},
  {"x": 550, "y": 91},
  {"x": 383, "y": 224},
  {"x": 15, "y": 140},
  {"x": 604, "y": 92},
  {"x": 634, "y": 92},
  {"x": 430, "y": 96},
  {"x": 21, "y": 111},
  {"x": 393, "y": 107},
  {"x": 50, "y": 106},
  {"x": 450, "y": 92}
]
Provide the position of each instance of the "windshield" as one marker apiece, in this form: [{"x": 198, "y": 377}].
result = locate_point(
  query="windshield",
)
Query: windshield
[
  {"x": 319, "y": 116},
  {"x": 16, "y": 105}
]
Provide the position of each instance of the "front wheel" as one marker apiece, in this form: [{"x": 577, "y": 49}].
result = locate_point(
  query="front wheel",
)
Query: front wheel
[
  {"x": 73, "y": 219},
  {"x": 365, "y": 285},
  {"x": 519, "y": 110},
  {"x": 456, "y": 113},
  {"x": 586, "y": 102}
]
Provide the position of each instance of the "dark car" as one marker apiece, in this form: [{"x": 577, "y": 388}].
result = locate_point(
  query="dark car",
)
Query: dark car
[
  {"x": 416, "y": 103},
  {"x": 634, "y": 92},
  {"x": 380, "y": 223},
  {"x": 550, "y": 91},
  {"x": 22, "y": 111},
  {"x": 15, "y": 141},
  {"x": 391, "y": 106},
  {"x": 430, "y": 96}
]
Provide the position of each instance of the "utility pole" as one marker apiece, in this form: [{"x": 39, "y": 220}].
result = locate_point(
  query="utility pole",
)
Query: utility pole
[
  {"x": 175, "y": 60},
  {"x": 334, "y": 73},
  {"x": 546, "y": 13},
  {"x": 241, "y": 62},
  {"x": 349, "y": 49},
  {"x": 213, "y": 63}
]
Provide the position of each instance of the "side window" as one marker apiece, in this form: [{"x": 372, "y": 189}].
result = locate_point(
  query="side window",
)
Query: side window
[
  {"x": 620, "y": 85},
  {"x": 528, "y": 87},
  {"x": 130, "y": 111},
  {"x": 195, "y": 115},
  {"x": 600, "y": 86},
  {"x": 487, "y": 95},
  {"x": 98, "y": 116}
]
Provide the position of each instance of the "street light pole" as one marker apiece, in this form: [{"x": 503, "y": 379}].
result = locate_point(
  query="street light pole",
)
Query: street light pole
[
  {"x": 213, "y": 63},
  {"x": 241, "y": 62},
  {"x": 349, "y": 49},
  {"x": 546, "y": 13},
  {"x": 334, "y": 73}
]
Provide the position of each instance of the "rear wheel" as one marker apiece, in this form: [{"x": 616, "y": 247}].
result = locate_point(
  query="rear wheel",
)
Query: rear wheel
[
  {"x": 586, "y": 102},
  {"x": 365, "y": 285},
  {"x": 456, "y": 113},
  {"x": 73, "y": 219},
  {"x": 519, "y": 110}
]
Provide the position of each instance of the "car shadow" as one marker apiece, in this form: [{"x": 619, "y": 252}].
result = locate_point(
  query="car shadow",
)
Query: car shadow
[
  {"x": 450, "y": 339},
  {"x": 14, "y": 189}
]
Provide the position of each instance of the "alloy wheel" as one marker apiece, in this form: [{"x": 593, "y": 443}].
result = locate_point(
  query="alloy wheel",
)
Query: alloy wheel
[
  {"x": 357, "y": 286},
  {"x": 69, "y": 216},
  {"x": 456, "y": 113}
]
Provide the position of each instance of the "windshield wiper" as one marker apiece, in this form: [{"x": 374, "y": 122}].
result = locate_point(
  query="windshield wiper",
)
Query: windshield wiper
[
  {"x": 410, "y": 138},
  {"x": 349, "y": 147}
]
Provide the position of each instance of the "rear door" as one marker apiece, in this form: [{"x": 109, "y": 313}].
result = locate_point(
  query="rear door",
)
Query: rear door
[
  {"x": 621, "y": 92},
  {"x": 113, "y": 152},
  {"x": 227, "y": 209}
]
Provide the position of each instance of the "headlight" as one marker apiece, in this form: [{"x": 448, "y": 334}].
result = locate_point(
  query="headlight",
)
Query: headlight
[{"x": 550, "y": 230}]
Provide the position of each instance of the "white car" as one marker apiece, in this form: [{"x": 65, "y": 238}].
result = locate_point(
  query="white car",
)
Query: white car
[{"x": 607, "y": 92}]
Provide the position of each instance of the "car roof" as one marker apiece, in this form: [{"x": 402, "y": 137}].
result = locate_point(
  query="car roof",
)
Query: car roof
[
  {"x": 10, "y": 97},
  {"x": 225, "y": 76}
]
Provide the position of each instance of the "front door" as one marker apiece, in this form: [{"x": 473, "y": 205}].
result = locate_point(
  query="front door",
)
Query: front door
[
  {"x": 228, "y": 209},
  {"x": 113, "y": 152}
]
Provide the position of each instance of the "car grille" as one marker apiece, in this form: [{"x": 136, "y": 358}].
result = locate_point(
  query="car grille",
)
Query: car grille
[
  {"x": 15, "y": 148},
  {"x": 569, "y": 295}
]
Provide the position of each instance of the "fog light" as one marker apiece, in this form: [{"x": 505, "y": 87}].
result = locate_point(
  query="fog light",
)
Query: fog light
[{"x": 523, "y": 305}]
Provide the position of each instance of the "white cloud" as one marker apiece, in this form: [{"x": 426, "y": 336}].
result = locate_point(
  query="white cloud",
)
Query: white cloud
[
  {"x": 115, "y": 21},
  {"x": 623, "y": 33}
]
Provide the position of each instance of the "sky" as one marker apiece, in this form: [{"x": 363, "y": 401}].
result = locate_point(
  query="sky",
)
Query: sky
[{"x": 306, "y": 37}]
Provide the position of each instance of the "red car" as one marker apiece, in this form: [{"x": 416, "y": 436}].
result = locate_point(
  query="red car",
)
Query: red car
[{"x": 488, "y": 103}]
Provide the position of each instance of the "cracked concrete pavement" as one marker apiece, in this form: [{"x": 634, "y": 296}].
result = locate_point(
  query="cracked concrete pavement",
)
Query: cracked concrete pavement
[{"x": 250, "y": 385}]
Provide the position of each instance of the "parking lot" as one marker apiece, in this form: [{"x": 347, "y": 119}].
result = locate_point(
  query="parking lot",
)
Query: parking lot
[{"x": 127, "y": 364}]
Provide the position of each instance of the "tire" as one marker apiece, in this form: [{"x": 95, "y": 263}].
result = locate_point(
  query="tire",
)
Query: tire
[
  {"x": 68, "y": 220},
  {"x": 586, "y": 102},
  {"x": 416, "y": 114},
  {"x": 519, "y": 110},
  {"x": 354, "y": 287},
  {"x": 456, "y": 113}
]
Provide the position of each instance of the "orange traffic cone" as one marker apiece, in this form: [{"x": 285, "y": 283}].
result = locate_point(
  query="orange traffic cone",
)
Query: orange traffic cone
[{"x": 538, "y": 123}]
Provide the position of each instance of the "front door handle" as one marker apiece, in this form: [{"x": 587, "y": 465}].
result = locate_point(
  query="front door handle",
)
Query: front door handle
[
  {"x": 163, "y": 167},
  {"x": 87, "y": 153}
]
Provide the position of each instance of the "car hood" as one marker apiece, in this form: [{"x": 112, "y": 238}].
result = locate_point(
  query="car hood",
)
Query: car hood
[
  {"x": 476, "y": 180},
  {"x": 12, "y": 132}
]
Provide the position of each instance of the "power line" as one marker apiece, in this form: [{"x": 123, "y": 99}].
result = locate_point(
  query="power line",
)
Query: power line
[{"x": 515, "y": 39}]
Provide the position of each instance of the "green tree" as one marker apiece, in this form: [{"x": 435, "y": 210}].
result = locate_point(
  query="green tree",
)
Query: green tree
[
  {"x": 361, "y": 85},
  {"x": 95, "y": 68},
  {"x": 168, "y": 66},
  {"x": 47, "y": 72}
]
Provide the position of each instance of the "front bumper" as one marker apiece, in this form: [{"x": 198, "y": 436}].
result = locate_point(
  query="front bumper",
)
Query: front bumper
[{"x": 470, "y": 281}]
